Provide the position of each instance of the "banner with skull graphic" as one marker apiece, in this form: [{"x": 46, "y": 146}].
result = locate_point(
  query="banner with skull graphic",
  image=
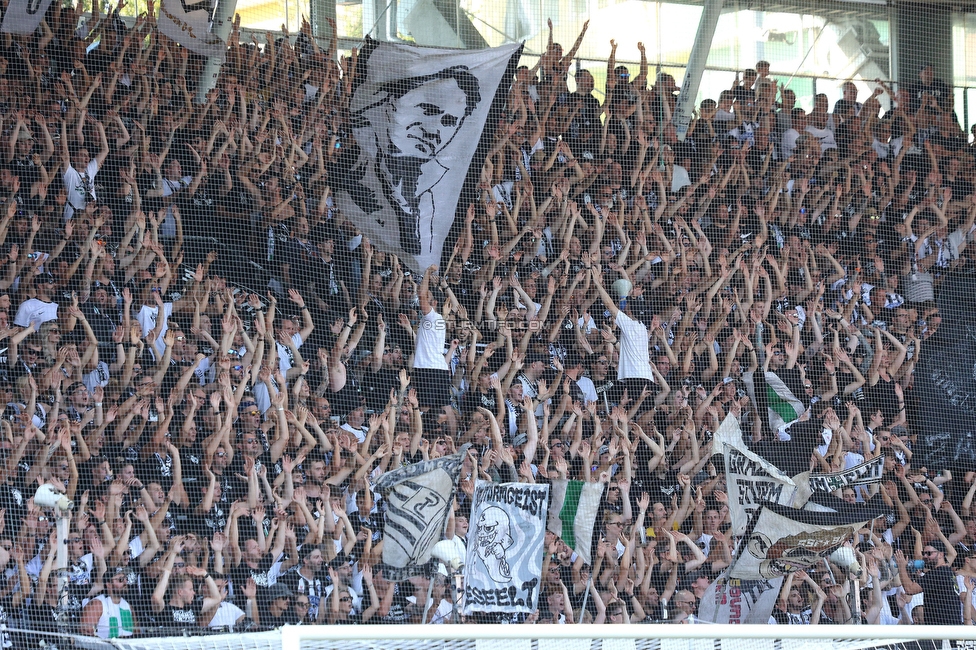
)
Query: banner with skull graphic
[{"x": 506, "y": 538}]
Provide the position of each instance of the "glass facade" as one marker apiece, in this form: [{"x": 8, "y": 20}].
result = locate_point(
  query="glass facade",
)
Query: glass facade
[{"x": 811, "y": 50}]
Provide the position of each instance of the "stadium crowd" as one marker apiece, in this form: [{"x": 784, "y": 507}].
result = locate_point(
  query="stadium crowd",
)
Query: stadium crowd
[{"x": 216, "y": 366}]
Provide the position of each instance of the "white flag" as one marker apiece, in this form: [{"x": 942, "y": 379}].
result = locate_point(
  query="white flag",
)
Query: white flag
[
  {"x": 23, "y": 16},
  {"x": 733, "y": 601},
  {"x": 418, "y": 501},
  {"x": 782, "y": 540},
  {"x": 418, "y": 119},
  {"x": 750, "y": 479},
  {"x": 189, "y": 25},
  {"x": 506, "y": 538}
]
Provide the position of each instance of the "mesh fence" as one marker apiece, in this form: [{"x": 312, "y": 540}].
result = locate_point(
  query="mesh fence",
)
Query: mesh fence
[{"x": 263, "y": 278}]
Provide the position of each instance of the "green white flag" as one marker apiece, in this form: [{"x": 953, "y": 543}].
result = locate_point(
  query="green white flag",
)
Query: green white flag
[{"x": 572, "y": 514}]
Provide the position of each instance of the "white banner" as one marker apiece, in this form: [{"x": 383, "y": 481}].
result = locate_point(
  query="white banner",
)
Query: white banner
[
  {"x": 418, "y": 117},
  {"x": 782, "y": 540},
  {"x": 506, "y": 537},
  {"x": 189, "y": 25},
  {"x": 750, "y": 479},
  {"x": 732, "y": 601},
  {"x": 23, "y": 16},
  {"x": 418, "y": 500}
]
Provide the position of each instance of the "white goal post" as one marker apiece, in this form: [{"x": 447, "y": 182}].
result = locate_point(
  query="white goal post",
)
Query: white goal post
[{"x": 616, "y": 637}]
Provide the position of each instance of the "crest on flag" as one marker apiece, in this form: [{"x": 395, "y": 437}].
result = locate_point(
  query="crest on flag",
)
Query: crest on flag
[
  {"x": 419, "y": 115},
  {"x": 418, "y": 501}
]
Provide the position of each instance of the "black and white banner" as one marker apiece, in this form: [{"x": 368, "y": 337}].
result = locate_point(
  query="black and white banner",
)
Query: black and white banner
[
  {"x": 732, "y": 601},
  {"x": 188, "y": 23},
  {"x": 782, "y": 540},
  {"x": 866, "y": 473},
  {"x": 23, "y": 16},
  {"x": 418, "y": 124},
  {"x": 750, "y": 479},
  {"x": 418, "y": 501},
  {"x": 506, "y": 537}
]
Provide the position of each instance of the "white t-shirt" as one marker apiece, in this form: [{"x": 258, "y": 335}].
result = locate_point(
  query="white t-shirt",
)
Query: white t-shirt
[
  {"x": 824, "y": 136},
  {"x": 147, "y": 318},
  {"x": 588, "y": 326},
  {"x": 226, "y": 615},
  {"x": 167, "y": 226},
  {"x": 588, "y": 387},
  {"x": 788, "y": 143},
  {"x": 34, "y": 311},
  {"x": 360, "y": 433},
  {"x": 634, "y": 360},
  {"x": 78, "y": 187},
  {"x": 430, "y": 342},
  {"x": 97, "y": 377},
  {"x": 285, "y": 360}
]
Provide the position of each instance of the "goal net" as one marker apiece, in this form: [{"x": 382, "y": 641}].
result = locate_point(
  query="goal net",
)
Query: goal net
[{"x": 590, "y": 311}]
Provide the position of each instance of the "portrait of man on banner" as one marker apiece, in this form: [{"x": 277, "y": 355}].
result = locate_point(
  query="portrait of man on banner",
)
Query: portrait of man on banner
[
  {"x": 412, "y": 122},
  {"x": 417, "y": 118}
]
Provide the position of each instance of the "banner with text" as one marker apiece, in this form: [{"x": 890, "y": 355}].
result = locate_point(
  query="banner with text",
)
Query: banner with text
[
  {"x": 750, "y": 479},
  {"x": 506, "y": 536},
  {"x": 864, "y": 474},
  {"x": 781, "y": 540},
  {"x": 732, "y": 601}
]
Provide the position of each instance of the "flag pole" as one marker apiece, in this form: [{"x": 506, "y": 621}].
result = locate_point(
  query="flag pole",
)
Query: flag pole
[
  {"x": 430, "y": 596},
  {"x": 586, "y": 597}
]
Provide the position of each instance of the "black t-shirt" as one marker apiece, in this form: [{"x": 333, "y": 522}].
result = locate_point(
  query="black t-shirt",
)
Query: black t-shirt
[
  {"x": 242, "y": 572},
  {"x": 180, "y": 617},
  {"x": 376, "y": 387},
  {"x": 157, "y": 469},
  {"x": 269, "y": 620},
  {"x": 473, "y": 399},
  {"x": 609, "y": 387},
  {"x": 937, "y": 89},
  {"x": 942, "y": 606},
  {"x": 398, "y": 610}
]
